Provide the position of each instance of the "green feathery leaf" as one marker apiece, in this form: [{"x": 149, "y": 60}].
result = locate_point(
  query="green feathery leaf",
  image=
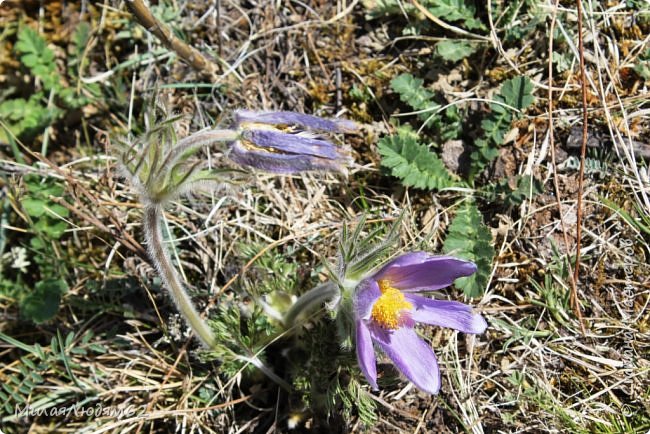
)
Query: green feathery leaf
[
  {"x": 516, "y": 93},
  {"x": 469, "y": 238},
  {"x": 455, "y": 10},
  {"x": 37, "y": 56},
  {"x": 413, "y": 162},
  {"x": 412, "y": 92}
]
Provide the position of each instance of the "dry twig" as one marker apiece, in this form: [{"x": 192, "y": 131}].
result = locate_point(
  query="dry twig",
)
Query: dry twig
[
  {"x": 572, "y": 277},
  {"x": 189, "y": 54},
  {"x": 583, "y": 150}
]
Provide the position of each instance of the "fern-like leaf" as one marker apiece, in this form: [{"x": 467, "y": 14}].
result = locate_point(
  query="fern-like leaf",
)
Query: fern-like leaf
[
  {"x": 413, "y": 162},
  {"x": 37, "y": 56},
  {"x": 412, "y": 92},
  {"x": 470, "y": 239},
  {"x": 516, "y": 93},
  {"x": 455, "y": 10}
]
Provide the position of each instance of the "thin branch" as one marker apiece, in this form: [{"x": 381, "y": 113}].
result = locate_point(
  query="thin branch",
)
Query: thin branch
[
  {"x": 189, "y": 54},
  {"x": 551, "y": 140},
  {"x": 583, "y": 150}
]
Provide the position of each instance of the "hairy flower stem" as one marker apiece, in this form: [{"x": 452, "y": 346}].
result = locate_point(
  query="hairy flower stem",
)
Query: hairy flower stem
[
  {"x": 170, "y": 277},
  {"x": 172, "y": 281},
  {"x": 309, "y": 300}
]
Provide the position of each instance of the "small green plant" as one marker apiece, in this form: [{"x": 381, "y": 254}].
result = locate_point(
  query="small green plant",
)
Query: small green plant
[
  {"x": 46, "y": 214},
  {"x": 31, "y": 275},
  {"x": 522, "y": 332},
  {"x": 23, "y": 117},
  {"x": 20, "y": 384},
  {"x": 383, "y": 8},
  {"x": 26, "y": 118},
  {"x": 42, "y": 303},
  {"x": 413, "y": 162},
  {"x": 272, "y": 273},
  {"x": 509, "y": 15},
  {"x": 38, "y": 57},
  {"x": 442, "y": 124},
  {"x": 455, "y": 11},
  {"x": 514, "y": 191},
  {"x": 553, "y": 291},
  {"x": 469, "y": 238},
  {"x": 353, "y": 399},
  {"x": 454, "y": 50},
  {"x": 411, "y": 91},
  {"x": 23, "y": 381},
  {"x": 241, "y": 335},
  {"x": 515, "y": 96},
  {"x": 598, "y": 163},
  {"x": 462, "y": 12}
]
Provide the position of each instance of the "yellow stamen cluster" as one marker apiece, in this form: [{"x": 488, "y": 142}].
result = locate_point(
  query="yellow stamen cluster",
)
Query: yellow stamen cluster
[{"x": 388, "y": 309}]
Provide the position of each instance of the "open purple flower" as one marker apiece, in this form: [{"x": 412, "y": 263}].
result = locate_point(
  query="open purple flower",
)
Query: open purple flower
[
  {"x": 387, "y": 307},
  {"x": 285, "y": 142}
]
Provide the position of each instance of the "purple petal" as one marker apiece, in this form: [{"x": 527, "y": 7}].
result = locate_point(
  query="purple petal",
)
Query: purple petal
[
  {"x": 419, "y": 271},
  {"x": 412, "y": 356},
  {"x": 366, "y": 353},
  {"x": 292, "y": 143},
  {"x": 365, "y": 295},
  {"x": 280, "y": 163},
  {"x": 301, "y": 120},
  {"x": 445, "y": 313}
]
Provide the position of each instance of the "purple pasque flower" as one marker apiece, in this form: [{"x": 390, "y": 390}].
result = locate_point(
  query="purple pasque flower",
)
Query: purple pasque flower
[
  {"x": 387, "y": 307},
  {"x": 286, "y": 142}
]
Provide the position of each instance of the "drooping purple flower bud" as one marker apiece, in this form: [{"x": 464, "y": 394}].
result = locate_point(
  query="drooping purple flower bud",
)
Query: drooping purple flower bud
[
  {"x": 289, "y": 119},
  {"x": 386, "y": 309},
  {"x": 284, "y": 142}
]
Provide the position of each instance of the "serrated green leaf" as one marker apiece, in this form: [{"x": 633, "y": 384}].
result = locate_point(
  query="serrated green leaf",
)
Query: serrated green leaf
[
  {"x": 412, "y": 92},
  {"x": 29, "y": 41},
  {"x": 470, "y": 239},
  {"x": 24, "y": 118},
  {"x": 497, "y": 126},
  {"x": 37, "y": 56},
  {"x": 454, "y": 10},
  {"x": 413, "y": 162},
  {"x": 517, "y": 93},
  {"x": 454, "y": 50}
]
